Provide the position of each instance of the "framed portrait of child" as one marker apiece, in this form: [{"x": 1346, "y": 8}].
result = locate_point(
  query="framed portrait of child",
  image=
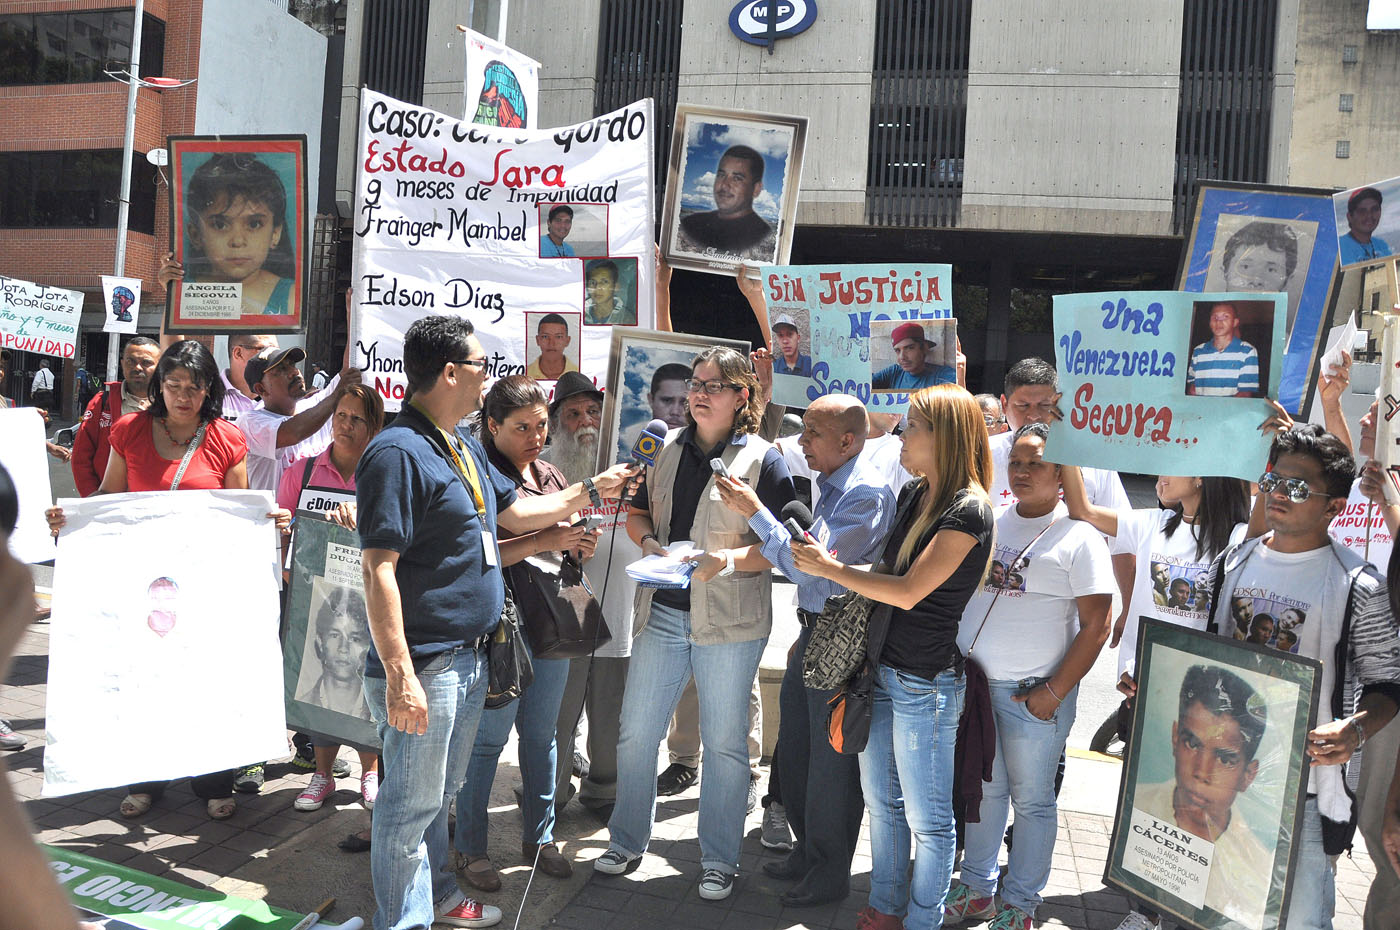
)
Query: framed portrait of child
[{"x": 238, "y": 233}]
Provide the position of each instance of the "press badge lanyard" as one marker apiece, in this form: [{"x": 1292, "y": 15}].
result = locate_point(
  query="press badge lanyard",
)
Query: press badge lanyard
[{"x": 465, "y": 465}]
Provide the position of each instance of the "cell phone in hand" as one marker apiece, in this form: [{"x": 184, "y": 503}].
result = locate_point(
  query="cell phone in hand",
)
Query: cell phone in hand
[
  {"x": 589, "y": 523},
  {"x": 717, "y": 466}
]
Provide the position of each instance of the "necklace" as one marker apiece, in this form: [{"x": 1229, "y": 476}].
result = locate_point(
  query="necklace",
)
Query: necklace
[{"x": 173, "y": 440}]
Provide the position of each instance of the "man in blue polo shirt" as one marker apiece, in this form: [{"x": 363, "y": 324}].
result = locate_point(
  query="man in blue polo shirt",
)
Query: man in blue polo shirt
[
  {"x": 913, "y": 368},
  {"x": 1227, "y": 366},
  {"x": 428, "y": 506}
]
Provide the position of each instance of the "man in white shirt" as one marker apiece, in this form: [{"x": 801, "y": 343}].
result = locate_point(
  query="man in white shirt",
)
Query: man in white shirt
[
  {"x": 287, "y": 425},
  {"x": 41, "y": 388}
]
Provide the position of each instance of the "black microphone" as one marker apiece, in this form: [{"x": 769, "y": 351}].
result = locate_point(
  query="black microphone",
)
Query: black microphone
[
  {"x": 798, "y": 519},
  {"x": 644, "y": 451}
]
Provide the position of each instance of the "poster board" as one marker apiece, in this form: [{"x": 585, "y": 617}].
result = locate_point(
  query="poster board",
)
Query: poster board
[
  {"x": 38, "y": 318},
  {"x": 23, "y": 454},
  {"x": 451, "y": 217},
  {"x": 121, "y": 300},
  {"x": 1245, "y": 709},
  {"x": 502, "y": 87}
]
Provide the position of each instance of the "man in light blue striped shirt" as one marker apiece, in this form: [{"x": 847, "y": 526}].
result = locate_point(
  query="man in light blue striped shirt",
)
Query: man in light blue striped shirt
[
  {"x": 1227, "y": 366},
  {"x": 820, "y": 788}
]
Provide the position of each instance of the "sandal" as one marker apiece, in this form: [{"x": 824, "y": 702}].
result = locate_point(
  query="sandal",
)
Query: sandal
[
  {"x": 134, "y": 805},
  {"x": 220, "y": 808}
]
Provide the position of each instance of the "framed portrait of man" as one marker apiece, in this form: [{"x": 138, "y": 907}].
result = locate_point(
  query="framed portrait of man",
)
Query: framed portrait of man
[
  {"x": 1214, "y": 783},
  {"x": 238, "y": 225},
  {"x": 646, "y": 380},
  {"x": 1368, "y": 223},
  {"x": 731, "y": 191},
  {"x": 1249, "y": 238},
  {"x": 326, "y": 635}
]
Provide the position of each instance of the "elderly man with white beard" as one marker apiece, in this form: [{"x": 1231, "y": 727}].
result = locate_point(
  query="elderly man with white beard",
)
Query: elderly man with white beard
[{"x": 595, "y": 682}]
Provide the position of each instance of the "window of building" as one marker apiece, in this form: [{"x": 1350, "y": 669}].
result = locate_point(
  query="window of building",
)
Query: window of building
[
  {"x": 1348, "y": 54},
  {"x": 1343, "y": 148},
  {"x": 1344, "y": 103},
  {"x": 45, "y": 190},
  {"x": 75, "y": 47}
]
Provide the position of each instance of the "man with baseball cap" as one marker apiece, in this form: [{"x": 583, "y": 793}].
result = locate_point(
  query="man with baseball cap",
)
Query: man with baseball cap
[
  {"x": 789, "y": 359},
  {"x": 1363, "y": 216},
  {"x": 286, "y": 425},
  {"x": 913, "y": 368}
]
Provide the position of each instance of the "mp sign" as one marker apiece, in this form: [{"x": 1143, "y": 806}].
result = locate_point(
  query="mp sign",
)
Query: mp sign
[{"x": 763, "y": 22}]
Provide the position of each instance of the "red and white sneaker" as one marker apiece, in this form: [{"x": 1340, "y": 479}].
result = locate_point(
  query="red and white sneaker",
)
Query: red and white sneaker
[
  {"x": 369, "y": 789},
  {"x": 461, "y": 911},
  {"x": 315, "y": 793}
]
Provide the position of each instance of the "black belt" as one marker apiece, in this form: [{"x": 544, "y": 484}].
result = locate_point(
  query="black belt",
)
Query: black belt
[{"x": 806, "y": 618}]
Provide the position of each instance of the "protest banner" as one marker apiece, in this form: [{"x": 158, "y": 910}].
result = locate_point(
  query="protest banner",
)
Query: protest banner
[
  {"x": 38, "y": 318},
  {"x": 502, "y": 86},
  {"x": 1224, "y": 861},
  {"x": 326, "y": 636},
  {"x": 166, "y": 610},
  {"x": 451, "y": 217},
  {"x": 1388, "y": 425},
  {"x": 23, "y": 454},
  {"x": 117, "y": 897},
  {"x": 838, "y": 307},
  {"x": 122, "y": 298},
  {"x": 1165, "y": 382}
]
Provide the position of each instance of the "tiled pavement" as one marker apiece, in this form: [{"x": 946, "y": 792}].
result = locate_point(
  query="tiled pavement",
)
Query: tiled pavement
[{"x": 269, "y": 850}]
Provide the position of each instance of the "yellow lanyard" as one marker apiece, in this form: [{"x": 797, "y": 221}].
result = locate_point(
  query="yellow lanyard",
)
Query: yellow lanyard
[{"x": 462, "y": 459}]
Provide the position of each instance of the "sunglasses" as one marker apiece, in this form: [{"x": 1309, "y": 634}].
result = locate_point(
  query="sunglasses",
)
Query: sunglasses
[{"x": 1295, "y": 489}]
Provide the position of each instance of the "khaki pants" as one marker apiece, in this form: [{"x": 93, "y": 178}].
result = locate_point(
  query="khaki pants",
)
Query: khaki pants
[{"x": 683, "y": 740}]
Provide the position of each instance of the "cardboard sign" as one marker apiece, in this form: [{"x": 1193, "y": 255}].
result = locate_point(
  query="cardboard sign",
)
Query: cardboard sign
[{"x": 38, "y": 318}]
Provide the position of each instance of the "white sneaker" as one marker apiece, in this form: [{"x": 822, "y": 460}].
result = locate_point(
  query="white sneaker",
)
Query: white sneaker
[
  {"x": 774, "y": 834},
  {"x": 1136, "y": 921},
  {"x": 716, "y": 885},
  {"x": 615, "y": 862},
  {"x": 458, "y": 910},
  {"x": 315, "y": 793}
]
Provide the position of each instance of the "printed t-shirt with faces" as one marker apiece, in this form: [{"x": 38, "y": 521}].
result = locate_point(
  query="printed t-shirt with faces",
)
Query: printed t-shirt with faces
[
  {"x": 1351, "y": 529},
  {"x": 1036, "y": 617},
  {"x": 1103, "y": 487},
  {"x": 1171, "y": 581}
]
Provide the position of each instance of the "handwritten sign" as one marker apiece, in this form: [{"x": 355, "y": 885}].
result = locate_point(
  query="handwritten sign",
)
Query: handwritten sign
[
  {"x": 38, "y": 318},
  {"x": 838, "y": 304},
  {"x": 454, "y": 218},
  {"x": 1164, "y": 382}
]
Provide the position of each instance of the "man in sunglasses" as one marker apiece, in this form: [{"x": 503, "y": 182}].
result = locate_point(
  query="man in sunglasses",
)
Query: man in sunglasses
[{"x": 1296, "y": 563}]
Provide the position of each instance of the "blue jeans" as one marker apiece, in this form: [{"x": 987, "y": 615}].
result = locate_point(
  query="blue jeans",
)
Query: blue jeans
[
  {"x": 1314, "y": 893},
  {"x": 663, "y": 659},
  {"x": 408, "y": 861},
  {"x": 906, "y": 774},
  {"x": 1023, "y": 776},
  {"x": 534, "y": 715}
]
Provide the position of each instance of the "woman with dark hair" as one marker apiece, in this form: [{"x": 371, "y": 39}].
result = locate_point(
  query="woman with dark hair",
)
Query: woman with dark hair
[
  {"x": 940, "y": 550},
  {"x": 179, "y": 442},
  {"x": 714, "y": 630},
  {"x": 514, "y": 427}
]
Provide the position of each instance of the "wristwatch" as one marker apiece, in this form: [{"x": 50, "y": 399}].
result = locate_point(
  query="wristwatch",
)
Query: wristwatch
[
  {"x": 592, "y": 490},
  {"x": 728, "y": 564}
]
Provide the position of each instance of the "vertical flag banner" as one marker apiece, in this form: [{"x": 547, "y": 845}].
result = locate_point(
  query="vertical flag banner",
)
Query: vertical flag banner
[
  {"x": 541, "y": 238},
  {"x": 502, "y": 87},
  {"x": 122, "y": 299}
]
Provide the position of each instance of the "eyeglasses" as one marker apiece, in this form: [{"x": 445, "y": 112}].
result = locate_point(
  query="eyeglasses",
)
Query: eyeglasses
[
  {"x": 695, "y": 386},
  {"x": 474, "y": 362},
  {"x": 1295, "y": 489},
  {"x": 991, "y": 420}
]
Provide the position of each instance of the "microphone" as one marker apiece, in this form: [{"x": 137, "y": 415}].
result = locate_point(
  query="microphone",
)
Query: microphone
[
  {"x": 798, "y": 519},
  {"x": 645, "y": 450}
]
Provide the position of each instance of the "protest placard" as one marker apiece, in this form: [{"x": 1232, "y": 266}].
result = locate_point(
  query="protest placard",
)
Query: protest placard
[
  {"x": 327, "y": 636},
  {"x": 38, "y": 318},
  {"x": 835, "y": 311},
  {"x": 1166, "y": 383},
  {"x": 1388, "y": 424},
  {"x": 1367, "y": 231},
  {"x": 22, "y": 453},
  {"x": 455, "y": 218},
  {"x": 502, "y": 86},
  {"x": 122, "y": 298},
  {"x": 166, "y": 610}
]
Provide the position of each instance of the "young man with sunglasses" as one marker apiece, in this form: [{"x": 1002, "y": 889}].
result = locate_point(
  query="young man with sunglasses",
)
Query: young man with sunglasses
[{"x": 1350, "y": 628}]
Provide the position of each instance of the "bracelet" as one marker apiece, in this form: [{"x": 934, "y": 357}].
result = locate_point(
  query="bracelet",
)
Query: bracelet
[
  {"x": 1058, "y": 699},
  {"x": 646, "y": 536},
  {"x": 1360, "y": 733},
  {"x": 592, "y": 490},
  {"x": 728, "y": 564}
]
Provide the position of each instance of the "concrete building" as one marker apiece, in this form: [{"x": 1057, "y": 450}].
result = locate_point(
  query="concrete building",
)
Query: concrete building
[{"x": 259, "y": 70}]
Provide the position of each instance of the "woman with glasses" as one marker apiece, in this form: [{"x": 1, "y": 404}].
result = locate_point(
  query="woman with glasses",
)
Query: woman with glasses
[
  {"x": 183, "y": 435},
  {"x": 715, "y": 629}
]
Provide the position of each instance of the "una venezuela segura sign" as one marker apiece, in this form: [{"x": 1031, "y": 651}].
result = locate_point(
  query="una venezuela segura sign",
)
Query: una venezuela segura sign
[{"x": 763, "y": 22}]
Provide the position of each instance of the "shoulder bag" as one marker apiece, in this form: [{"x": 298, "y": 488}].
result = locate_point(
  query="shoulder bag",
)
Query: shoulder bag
[{"x": 561, "y": 617}]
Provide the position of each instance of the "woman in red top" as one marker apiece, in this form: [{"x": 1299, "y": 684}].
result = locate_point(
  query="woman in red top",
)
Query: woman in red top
[{"x": 187, "y": 397}]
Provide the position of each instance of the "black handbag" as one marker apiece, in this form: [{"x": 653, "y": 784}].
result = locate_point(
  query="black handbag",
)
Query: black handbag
[
  {"x": 561, "y": 617},
  {"x": 508, "y": 668}
]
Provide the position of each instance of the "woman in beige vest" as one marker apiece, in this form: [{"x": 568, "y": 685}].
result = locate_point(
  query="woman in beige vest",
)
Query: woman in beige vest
[{"x": 715, "y": 630}]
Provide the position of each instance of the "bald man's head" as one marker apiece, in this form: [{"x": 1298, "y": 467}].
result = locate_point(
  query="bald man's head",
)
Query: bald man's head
[{"x": 833, "y": 432}]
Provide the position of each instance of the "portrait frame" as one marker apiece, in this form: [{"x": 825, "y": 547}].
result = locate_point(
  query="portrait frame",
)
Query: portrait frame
[
  {"x": 325, "y": 555},
  {"x": 1170, "y": 866},
  {"x": 1312, "y": 285},
  {"x": 635, "y": 356},
  {"x": 211, "y": 309},
  {"x": 1387, "y": 228},
  {"x": 699, "y": 137}
]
